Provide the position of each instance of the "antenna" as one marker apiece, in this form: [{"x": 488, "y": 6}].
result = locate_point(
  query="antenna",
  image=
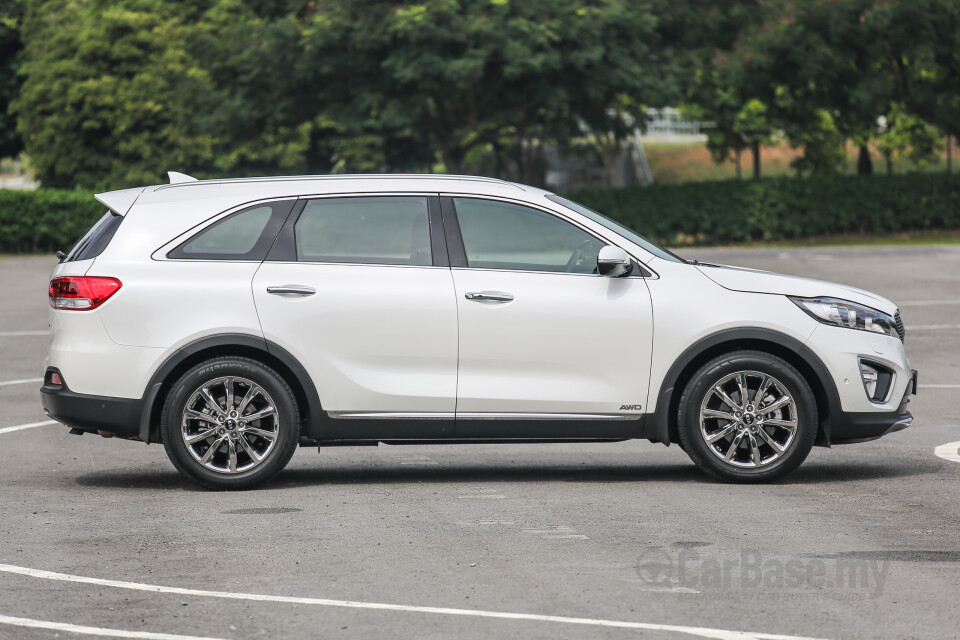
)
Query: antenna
[{"x": 177, "y": 178}]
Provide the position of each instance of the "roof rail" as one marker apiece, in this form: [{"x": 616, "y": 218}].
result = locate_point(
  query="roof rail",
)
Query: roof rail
[{"x": 187, "y": 180}]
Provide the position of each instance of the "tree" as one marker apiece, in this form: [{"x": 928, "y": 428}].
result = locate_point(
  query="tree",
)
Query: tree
[
  {"x": 464, "y": 75},
  {"x": 98, "y": 106},
  {"x": 11, "y": 13},
  {"x": 905, "y": 134},
  {"x": 917, "y": 43}
]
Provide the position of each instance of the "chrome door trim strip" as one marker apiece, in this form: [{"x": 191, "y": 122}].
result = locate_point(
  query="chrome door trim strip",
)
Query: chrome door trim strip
[
  {"x": 544, "y": 416},
  {"x": 389, "y": 415},
  {"x": 405, "y": 415}
]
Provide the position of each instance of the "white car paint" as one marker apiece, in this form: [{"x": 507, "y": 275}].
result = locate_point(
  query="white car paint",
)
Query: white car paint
[
  {"x": 549, "y": 350},
  {"x": 375, "y": 338}
]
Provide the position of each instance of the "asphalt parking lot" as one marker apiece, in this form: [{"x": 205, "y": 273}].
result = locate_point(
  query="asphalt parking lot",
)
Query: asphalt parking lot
[{"x": 555, "y": 541}]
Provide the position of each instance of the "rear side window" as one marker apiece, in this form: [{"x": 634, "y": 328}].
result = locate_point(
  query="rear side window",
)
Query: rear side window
[
  {"x": 244, "y": 235},
  {"x": 96, "y": 239},
  {"x": 365, "y": 230}
]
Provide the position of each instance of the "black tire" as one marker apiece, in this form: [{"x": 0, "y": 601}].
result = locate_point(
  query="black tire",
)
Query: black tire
[
  {"x": 284, "y": 427},
  {"x": 699, "y": 393}
]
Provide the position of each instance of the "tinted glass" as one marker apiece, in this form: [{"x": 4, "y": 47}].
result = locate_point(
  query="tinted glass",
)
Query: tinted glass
[
  {"x": 245, "y": 235},
  {"x": 374, "y": 230},
  {"x": 232, "y": 236},
  {"x": 96, "y": 239},
  {"x": 500, "y": 235},
  {"x": 616, "y": 227}
]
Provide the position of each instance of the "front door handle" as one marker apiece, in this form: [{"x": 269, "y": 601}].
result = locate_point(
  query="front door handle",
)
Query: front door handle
[
  {"x": 491, "y": 296},
  {"x": 291, "y": 289}
]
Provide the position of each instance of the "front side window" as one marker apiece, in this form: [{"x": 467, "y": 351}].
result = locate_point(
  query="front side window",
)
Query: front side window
[
  {"x": 501, "y": 235},
  {"x": 245, "y": 235},
  {"x": 390, "y": 230}
]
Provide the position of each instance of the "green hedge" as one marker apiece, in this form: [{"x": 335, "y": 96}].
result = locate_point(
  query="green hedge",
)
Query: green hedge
[
  {"x": 734, "y": 211},
  {"x": 730, "y": 211},
  {"x": 45, "y": 220}
]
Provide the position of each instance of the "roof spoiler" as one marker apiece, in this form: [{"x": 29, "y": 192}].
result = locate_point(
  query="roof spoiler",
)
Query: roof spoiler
[
  {"x": 119, "y": 201},
  {"x": 177, "y": 178}
]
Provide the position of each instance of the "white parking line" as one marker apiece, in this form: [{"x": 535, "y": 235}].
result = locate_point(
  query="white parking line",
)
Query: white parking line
[
  {"x": 927, "y": 303},
  {"x": 949, "y": 451},
  {"x": 24, "y": 381},
  {"x": 94, "y": 631},
  {"x": 21, "y": 427},
  {"x": 703, "y": 632},
  {"x": 14, "y": 334}
]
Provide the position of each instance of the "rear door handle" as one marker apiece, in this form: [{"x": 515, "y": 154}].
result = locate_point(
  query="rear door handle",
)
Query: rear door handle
[
  {"x": 291, "y": 289},
  {"x": 491, "y": 296}
]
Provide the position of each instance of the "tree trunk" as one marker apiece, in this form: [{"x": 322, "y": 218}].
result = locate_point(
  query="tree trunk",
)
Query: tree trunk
[
  {"x": 888, "y": 157},
  {"x": 756, "y": 160},
  {"x": 495, "y": 147},
  {"x": 452, "y": 159},
  {"x": 737, "y": 153},
  {"x": 949, "y": 153},
  {"x": 864, "y": 163},
  {"x": 611, "y": 152}
]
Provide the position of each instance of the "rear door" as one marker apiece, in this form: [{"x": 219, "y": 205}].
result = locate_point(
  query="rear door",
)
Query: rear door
[{"x": 359, "y": 290}]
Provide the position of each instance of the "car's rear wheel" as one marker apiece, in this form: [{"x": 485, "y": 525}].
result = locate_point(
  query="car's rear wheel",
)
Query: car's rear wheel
[
  {"x": 230, "y": 423},
  {"x": 747, "y": 416}
]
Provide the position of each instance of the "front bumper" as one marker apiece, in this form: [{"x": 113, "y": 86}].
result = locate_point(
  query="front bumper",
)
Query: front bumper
[
  {"x": 91, "y": 413},
  {"x": 863, "y": 427},
  {"x": 850, "y": 427}
]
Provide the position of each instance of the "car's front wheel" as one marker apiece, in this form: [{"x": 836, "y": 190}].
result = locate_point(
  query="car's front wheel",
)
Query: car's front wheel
[
  {"x": 747, "y": 416},
  {"x": 230, "y": 423}
]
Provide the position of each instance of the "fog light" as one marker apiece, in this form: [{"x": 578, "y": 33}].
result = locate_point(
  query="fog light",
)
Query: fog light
[
  {"x": 870, "y": 377},
  {"x": 56, "y": 379},
  {"x": 877, "y": 381}
]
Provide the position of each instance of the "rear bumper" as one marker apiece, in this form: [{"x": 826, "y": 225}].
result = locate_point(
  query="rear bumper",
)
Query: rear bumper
[{"x": 92, "y": 413}]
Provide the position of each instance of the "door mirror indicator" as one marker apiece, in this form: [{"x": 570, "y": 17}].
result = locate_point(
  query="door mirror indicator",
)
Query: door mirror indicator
[{"x": 613, "y": 262}]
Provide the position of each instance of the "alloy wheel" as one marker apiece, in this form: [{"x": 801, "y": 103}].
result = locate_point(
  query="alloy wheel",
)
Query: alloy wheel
[
  {"x": 230, "y": 425},
  {"x": 748, "y": 419}
]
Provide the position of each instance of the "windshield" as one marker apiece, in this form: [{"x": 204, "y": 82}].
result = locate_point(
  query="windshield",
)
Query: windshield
[{"x": 632, "y": 236}]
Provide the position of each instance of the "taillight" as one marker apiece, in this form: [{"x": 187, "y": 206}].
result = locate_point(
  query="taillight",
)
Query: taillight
[{"x": 81, "y": 293}]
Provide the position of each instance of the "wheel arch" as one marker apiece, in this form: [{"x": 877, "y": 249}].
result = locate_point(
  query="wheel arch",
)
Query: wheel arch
[
  {"x": 664, "y": 424},
  {"x": 238, "y": 344}
]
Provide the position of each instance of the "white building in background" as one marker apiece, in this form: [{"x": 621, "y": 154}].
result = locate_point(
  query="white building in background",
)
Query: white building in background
[{"x": 570, "y": 172}]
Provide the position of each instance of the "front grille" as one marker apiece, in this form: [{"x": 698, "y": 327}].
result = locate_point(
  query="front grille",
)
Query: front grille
[{"x": 901, "y": 331}]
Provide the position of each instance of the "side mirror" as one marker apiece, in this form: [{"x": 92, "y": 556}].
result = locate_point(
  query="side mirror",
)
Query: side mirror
[{"x": 613, "y": 262}]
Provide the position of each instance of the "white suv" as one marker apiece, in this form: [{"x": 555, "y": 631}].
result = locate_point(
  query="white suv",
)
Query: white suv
[{"x": 234, "y": 320}]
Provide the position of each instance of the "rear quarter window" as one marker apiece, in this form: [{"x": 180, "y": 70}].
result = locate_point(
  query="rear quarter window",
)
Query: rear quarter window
[{"x": 244, "y": 235}]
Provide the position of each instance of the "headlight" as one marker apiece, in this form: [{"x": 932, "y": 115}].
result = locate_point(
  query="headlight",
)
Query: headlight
[{"x": 843, "y": 313}]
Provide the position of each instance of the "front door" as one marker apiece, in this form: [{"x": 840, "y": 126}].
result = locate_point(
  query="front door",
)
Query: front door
[
  {"x": 547, "y": 346},
  {"x": 360, "y": 302}
]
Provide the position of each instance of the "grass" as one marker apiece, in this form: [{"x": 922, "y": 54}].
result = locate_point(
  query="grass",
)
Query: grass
[{"x": 691, "y": 162}]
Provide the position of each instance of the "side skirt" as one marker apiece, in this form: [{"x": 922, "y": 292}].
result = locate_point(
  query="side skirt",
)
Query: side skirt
[{"x": 388, "y": 427}]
